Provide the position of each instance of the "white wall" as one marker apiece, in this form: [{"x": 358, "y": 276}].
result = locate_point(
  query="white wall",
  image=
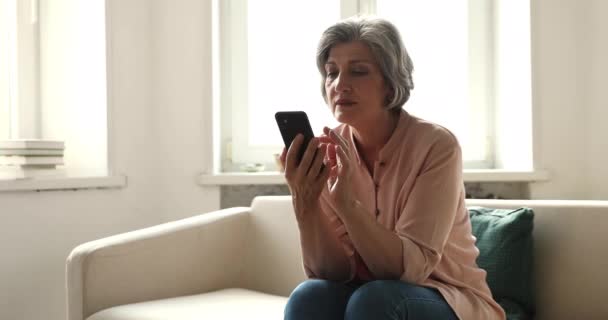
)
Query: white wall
[
  {"x": 597, "y": 124},
  {"x": 569, "y": 70},
  {"x": 160, "y": 86}
]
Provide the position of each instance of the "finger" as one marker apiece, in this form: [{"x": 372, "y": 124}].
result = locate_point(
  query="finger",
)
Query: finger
[
  {"x": 326, "y": 160},
  {"x": 325, "y": 136},
  {"x": 331, "y": 155},
  {"x": 341, "y": 141},
  {"x": 325, "y": 139},
  {"x": 281, "y": 164},
  {"x": 332, "y": 176},
  {"x": 324, "y": 147},
  {"x": 343, "y": 158},
  {"x": 337, "y": 156},
  {"x": 292, "y": 153},
  {"x": 338, "y": 139},
  {"x": 309, "y": 154},
  {"x": 325, "y": 172},
  {"x": 315, "y": 167},
  {"x": 326, "y": 131},
  {"x": 333, "y": 173},
  {"x": 319, "y": 181},
  {"x": 282, "y": 156},
  {"x": 322, "y": 178}
]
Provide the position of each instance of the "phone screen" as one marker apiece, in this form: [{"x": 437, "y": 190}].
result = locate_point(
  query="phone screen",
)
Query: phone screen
[{"x": 290, "y": 124}]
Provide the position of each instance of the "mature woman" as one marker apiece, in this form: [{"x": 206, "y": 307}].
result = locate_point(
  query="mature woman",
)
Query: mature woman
[{"x": 379, "y": 200}]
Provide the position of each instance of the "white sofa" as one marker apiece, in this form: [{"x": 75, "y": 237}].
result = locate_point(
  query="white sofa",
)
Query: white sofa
[{"x": 242, "y": 263}]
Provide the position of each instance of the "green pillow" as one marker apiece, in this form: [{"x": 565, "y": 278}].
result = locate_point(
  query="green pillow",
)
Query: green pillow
[{"x": 504, "y": 239}]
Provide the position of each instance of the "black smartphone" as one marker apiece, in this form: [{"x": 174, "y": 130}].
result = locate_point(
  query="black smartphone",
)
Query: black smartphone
[{"x": 290, "y": 124}]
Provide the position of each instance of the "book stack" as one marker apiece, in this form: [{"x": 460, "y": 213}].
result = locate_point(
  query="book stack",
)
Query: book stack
[{"x": 30, "y": 158}]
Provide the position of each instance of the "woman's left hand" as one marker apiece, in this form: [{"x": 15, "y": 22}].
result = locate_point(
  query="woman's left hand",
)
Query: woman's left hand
[{"x": 340, "y": 161}]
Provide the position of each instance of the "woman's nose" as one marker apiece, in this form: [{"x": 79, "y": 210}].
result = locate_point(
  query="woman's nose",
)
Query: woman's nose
[{"x": 342, "y": 83}]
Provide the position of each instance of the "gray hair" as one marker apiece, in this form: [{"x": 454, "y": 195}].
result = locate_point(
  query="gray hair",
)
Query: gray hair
[{"x": 384, "y": 40}]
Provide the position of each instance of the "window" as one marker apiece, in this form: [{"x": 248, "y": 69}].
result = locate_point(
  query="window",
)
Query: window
[
  {"x": 19, "y": 85},
  {"x": 436, "y": 34},
  {"x": 4, "y": 76},
  {"x": 265, "y": 43},
  {"x": 53, "y": 78},
  {"x": 267, "y": 63}
]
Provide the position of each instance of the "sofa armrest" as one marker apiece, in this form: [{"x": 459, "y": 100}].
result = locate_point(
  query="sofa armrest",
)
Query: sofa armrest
[{"x": 189, "y": 256}]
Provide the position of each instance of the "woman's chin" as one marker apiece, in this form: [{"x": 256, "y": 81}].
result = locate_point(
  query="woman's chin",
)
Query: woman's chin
[{"x": 344, "y": 116}]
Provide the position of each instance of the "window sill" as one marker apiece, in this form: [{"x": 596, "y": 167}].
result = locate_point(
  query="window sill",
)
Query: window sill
[
  {"x": 244, "y": 178},
  {"x": 497, "y": 175},
  {"x": 63, "y": 183}
]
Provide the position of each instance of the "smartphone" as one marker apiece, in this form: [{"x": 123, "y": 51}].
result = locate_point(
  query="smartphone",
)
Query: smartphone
[{"x": 290, "y": 124}]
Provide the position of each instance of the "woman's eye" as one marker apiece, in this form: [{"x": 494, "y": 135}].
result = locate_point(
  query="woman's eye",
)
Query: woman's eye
[
  {"x": 332, "y": 74},
  {"x": 359, "y": 72}
]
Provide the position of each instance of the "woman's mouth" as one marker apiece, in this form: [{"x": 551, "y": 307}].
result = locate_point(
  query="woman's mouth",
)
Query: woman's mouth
[{"x": 345, "y": 103}]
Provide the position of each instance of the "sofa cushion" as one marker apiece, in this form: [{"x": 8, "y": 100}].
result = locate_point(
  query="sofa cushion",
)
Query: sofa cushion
[
  {"x": 228, "y": 304},
  {"x": 504, "y": 239}
]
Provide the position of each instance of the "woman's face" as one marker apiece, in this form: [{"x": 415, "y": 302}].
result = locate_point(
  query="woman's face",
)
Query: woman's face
[{"x": 355, "y": 88}]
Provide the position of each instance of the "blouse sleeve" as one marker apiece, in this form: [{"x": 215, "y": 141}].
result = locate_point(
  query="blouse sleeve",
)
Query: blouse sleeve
[
  {"x": 314, "y": 268},
  {"x": 428, "y": 215}
]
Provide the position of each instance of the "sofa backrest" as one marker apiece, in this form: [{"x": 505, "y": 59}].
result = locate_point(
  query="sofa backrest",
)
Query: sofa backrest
[
  {"x": 274, "y": 259},
  {"x": 570, "y": 262}
]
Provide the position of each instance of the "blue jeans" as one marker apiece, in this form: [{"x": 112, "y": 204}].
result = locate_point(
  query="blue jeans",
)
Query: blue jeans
[{"x": 375, "y": 300}]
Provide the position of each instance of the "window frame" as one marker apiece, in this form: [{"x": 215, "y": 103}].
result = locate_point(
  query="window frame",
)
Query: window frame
[
  {"x": 482, "y": 16},
  {"x": 5, "y": 57},
  {"x": 23, "y": 78},
  {"x": 31, "y": 121}
]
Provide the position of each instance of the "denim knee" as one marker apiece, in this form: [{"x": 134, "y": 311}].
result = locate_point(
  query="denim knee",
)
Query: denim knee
[
  {"x": 388, "y": 299},
  {"x": 370, "y": 302},
  {"x": 317, "y": 299}
]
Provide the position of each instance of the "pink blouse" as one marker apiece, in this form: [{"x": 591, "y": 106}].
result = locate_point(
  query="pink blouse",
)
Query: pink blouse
[{"x": 417, "y": 191}]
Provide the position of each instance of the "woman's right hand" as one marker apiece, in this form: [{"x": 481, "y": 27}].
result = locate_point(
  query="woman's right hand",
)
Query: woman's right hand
[{"x": 306, "y": 179}]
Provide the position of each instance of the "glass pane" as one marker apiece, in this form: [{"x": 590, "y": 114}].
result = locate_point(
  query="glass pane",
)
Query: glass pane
[
  {"x": 436, "y": 35},
  {"x": 5, "y": 20},
  {"x": 282, "y": 43}
]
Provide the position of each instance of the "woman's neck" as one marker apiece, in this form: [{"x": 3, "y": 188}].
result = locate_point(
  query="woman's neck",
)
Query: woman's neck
[{"x": 371, "y": 136}]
